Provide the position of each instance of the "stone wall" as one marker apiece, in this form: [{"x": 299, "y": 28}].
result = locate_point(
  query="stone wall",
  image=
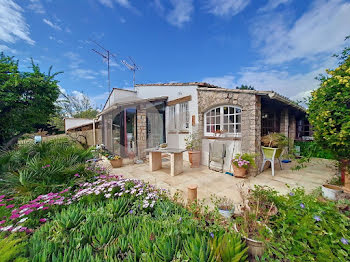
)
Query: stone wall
[
  {"x": 141, "y": 131},
  {"x": 251, "y": 116}
]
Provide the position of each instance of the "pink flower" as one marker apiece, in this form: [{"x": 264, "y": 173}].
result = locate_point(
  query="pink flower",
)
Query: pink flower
[
  {"x": 1, "y": 205},
  {"x": 10, "y": 206},
  {"x": 2, "y": 196},
  {"x": 42, "y": 220},
  {"x": 14, "y": 216},
  {"x": 2, "y": 222},
  {"x": 77, "y": 175}
]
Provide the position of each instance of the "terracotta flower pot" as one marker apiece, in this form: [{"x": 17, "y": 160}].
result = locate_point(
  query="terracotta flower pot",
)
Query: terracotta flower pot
[
  {"x": 239, "y": 171},
  {"x": 194, "y": 158},
  {"x": 116, "y": 163}
]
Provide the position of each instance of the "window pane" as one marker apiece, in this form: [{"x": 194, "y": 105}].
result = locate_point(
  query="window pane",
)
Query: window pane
[
  {"x": 225, "y": 110},
  {"x": 238, "y": 110},
  {"x": 225, "y": 119},
  {"x": 218, "y": 120},
  {"x": 232, "y": 119},
  {"x": 208, "y": 128},
  {"x": 231, "y": 129},
  {"x": 231, "y": 110},
  {"x": 217, "y": 128},
  {"x": 208, "y": 120},
  {"x": 225, "y": 128},
  {"x": 238, "y": 128},
  {"x": 218, "y": 111},
  {"x": 238, "y": 119}
]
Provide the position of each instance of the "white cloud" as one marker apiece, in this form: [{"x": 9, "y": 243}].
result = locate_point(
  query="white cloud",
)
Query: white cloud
[
  {"x": 226, "y": 8},
  {"x": 181, "y": 12},
  {"x": 56, "y": 40},
  {"x": 177, "y": 13},
  {"x": 74, "y": 59},
  {"x": 99, "y": 99},
  {"x": 36, "y": 6},
  {"x": 319, "y": 31},
  {"x": 110, "y": 3},
  {"x": 226, "y": 81},
  {"x": 272, "y": 4},
  {"x": 86, "y": 74},
  {"x": 12, "y": 23},
  {"x": 51, "y": 24},
  {"x": 4, "y": 48},
  {"x": 295, "y": 86}
]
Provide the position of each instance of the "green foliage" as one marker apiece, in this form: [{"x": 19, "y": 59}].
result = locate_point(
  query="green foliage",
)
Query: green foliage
[
  {"x": 245, "y": 87},
  {"x": 312, "y": 149},
  {"x": 193, "y": 141},
  {"x": 276, "y": 140},
  {"x": 305, "y": 229},
  {"x": 329, "y": 109},
  {"x": 33, "y": 169},
  {"x": 89, "y": 113},
  {"x": 12, "y": 248},
  {"x": 27, "y": 98},
  {"x": 107, "y": 231}
]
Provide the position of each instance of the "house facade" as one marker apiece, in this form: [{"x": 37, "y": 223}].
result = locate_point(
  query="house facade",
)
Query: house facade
[{"x": 157, "y": 113}]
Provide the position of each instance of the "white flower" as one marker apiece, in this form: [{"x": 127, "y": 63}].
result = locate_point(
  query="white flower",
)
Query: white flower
[
  {"x": 22, "y": 220},
  {"x": 108, "y": 195},
  {"x": 16, "y": 229}
]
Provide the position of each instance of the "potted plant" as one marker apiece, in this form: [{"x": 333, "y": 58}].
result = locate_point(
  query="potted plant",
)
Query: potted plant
[
  {"x": 225, "y": 206},
  {"x": 240, "y": 164},
  {"x": 274, "y": 142},
  {"x": 116, "y": 161},
  {"x": 193, "y": 145},
  {"x": 252, "y": 222}
]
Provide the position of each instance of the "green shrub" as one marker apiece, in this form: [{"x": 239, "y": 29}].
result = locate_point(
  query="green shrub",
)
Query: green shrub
[
  {"x": 306, "y": 229},
  {"x": 108, "y": 231},
  {"x": 12, "y": 248},
  {"x": 34, "y": 169},
  {"x": 312, "y": 149}
]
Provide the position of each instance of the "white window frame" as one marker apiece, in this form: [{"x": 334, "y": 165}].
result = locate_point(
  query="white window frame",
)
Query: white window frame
[
  {"x": 184, "y": 116},
  {"x": 218, "y": 120},
  {"x": 172, "y": 118}
]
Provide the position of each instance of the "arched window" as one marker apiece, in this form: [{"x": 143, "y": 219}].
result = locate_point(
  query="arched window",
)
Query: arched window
[{"x": 223, "y": 119}]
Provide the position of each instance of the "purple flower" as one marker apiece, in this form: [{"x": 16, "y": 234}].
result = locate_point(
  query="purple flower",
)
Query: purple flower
[
  {"x": 131, "y": 211},
  {"x": 77, "y": 175},
  {"x": 302, "y": 205},
  {"x": 211, "y": 234},
  {"x": 344, "y": 241},
  {"x": 42, "y": 220},
  {"x": 180, "y": 219},
  {"x": 317, "y": 218},
  {"x": 10, "y": 206},
  {"x": 291, "y": 194}
]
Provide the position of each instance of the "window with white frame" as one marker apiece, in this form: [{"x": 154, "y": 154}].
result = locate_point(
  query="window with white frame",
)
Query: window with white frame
[
  {"x": 172, "y": 118},
  {"x": 223, "y": 119},
  {"x": 184, "y": 116}
]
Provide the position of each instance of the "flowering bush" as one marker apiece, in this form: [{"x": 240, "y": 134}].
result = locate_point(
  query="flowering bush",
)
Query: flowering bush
[
  {"x": 329, "y": 109},
  {"x": 305, "y": 228},
  {"x": 114, "y": 157},
  {"x": 243, "y": 160}
]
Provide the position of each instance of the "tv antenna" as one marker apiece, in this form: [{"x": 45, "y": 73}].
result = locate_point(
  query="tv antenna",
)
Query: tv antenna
[
  {"x": 105, "y": 54},
  {"x": 131, "y": 65}
]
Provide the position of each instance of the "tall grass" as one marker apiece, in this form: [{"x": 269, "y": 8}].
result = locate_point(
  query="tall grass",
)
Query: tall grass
[{"x": 33, "y": 169}]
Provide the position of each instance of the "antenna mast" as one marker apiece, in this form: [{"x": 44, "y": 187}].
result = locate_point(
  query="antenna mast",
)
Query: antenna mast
[
  {"x": 132, "y": 67},
  {"x": 105, "y": 55}
]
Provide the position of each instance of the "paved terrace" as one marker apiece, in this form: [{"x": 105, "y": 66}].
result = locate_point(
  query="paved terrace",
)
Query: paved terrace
[{"x": 209, "y": 182}]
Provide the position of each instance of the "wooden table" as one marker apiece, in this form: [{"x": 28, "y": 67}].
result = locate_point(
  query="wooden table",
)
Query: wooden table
[{"x": 176, "y": 159}]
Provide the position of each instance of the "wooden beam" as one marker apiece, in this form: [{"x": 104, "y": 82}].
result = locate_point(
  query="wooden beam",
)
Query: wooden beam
[{"x": 179, "y": 100}]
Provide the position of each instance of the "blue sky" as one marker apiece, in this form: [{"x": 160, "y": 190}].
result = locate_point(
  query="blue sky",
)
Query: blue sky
[{"x": 276, "y": 45}]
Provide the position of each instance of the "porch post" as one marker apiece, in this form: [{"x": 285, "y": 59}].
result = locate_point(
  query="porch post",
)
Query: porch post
[{"x": 141, "y": 131}]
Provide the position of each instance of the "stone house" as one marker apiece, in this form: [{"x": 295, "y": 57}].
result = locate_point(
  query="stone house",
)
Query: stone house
[{"x": 169, "y": 112}]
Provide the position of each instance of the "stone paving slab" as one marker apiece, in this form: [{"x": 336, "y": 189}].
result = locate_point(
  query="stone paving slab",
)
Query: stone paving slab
[{"x": 209, "y": 182}]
